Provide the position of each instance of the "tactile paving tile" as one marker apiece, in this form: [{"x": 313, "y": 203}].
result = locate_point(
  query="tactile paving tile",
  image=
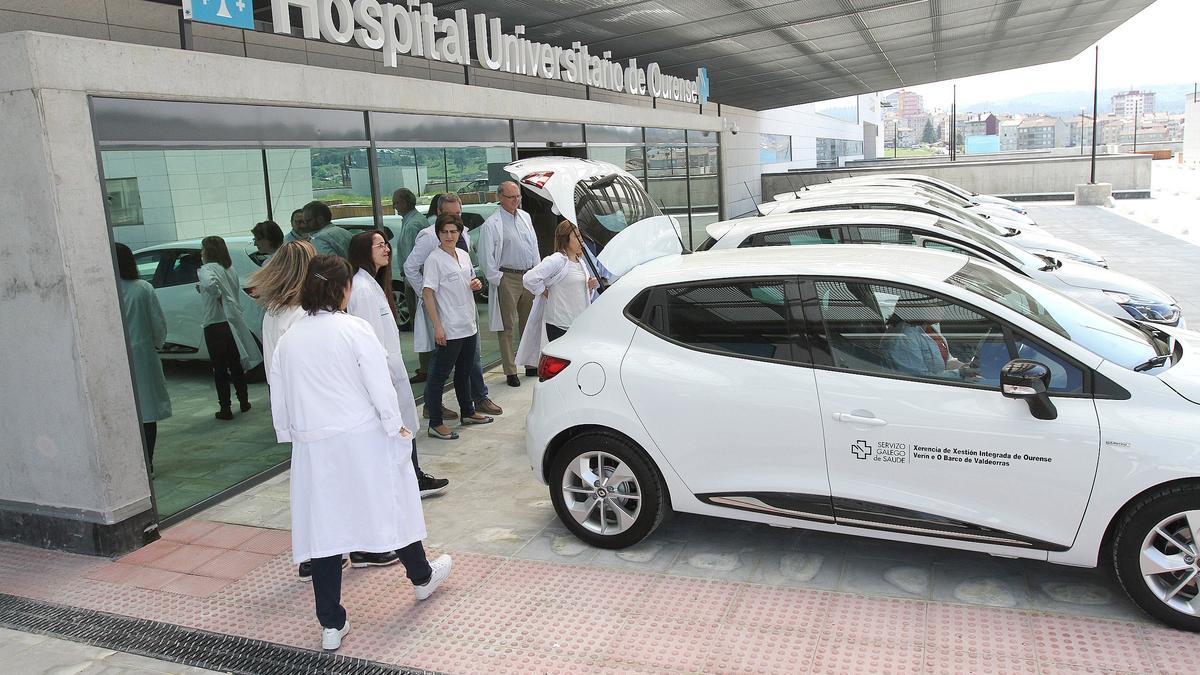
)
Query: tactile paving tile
[
  {"x": 1174, "y": 651},
  {"x": 187, "y": 558},
  {"x": 850, "y": 657},
  {"x": 876, "y": 620},
  {"x": 231, "y": 564},
  {"x": 663, "y": 643},
  {"x": 784, "y": 608},
  {"x": 268, "y": 542},
  {"x": 753, "y": 649},
  {"x": 687, "y": 599},
  {"x": 954, "y": 662},
  {"x": 483, "y": 619},
  {"x": 1091, "y": 643},
  {"x": 980, "y": 630},
  {"x": 452, "y": 656}
]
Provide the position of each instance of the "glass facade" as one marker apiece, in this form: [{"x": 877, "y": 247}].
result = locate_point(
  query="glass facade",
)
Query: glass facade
[
  {"x": 830, "y": 151},
  {"x": 774, "y": 148},
  {"x": 176, "y": 172}
]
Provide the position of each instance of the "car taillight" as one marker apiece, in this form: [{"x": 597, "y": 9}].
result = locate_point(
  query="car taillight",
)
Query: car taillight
[
  {"x": 549, "y": 366},
  {"x": 538, "y": 178}
]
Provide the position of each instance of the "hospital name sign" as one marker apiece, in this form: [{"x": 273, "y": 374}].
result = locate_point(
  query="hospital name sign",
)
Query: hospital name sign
[{"x": 414, "y": 30}]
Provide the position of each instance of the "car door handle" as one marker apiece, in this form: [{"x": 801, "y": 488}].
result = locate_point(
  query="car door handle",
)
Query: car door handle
[{"x": 857, "y": 419}]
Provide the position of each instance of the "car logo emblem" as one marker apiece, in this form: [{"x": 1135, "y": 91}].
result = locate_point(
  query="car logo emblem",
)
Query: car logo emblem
[{"x": 861, "y": 449}]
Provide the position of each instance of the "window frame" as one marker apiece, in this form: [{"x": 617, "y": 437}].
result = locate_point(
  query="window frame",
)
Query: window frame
[
  {"x": 822, "y": 359},
  {"x": 975, "y": 251},
  {"x": 653, "y": 318}
]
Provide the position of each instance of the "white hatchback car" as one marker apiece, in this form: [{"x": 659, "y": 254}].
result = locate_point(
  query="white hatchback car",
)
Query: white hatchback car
[
  {"x": 896, "y": 393},
  {"x": 171, "y": 269}
]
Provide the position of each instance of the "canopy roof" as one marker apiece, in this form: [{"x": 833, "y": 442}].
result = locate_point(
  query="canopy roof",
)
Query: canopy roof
[{"x": 764, "y": 54}]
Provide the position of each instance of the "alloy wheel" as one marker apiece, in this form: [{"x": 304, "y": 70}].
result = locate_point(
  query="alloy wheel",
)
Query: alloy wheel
[
  {"x": 1170, "y": 562},
  {"x": 602, "y": 493}
]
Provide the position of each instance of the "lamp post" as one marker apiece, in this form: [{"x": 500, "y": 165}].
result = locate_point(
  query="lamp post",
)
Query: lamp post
[
  {"x": 1136, "y": 109},
  {"x": 1095, "y": 111}
]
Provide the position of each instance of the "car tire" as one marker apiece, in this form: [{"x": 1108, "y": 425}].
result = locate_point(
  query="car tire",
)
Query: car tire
[
  {"x": 603, "y": 514},
  {"x": 1156, "y": 555}
]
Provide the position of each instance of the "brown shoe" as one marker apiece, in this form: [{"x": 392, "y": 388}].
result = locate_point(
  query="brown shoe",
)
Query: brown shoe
[
  {"x": 487, "y": 407},
  {"x": 447, "y": 414}
]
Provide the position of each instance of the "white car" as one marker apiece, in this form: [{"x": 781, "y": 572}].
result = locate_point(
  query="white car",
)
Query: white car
[
  {"x": 930, "y": 181},
  {"x": 784, "y": 386},
  {"x": 1001, "y": 215},
  {"x": 171, "y": 269},
  {"x": 1034, "y": 241},
  {"x": 1113, "y": 293}
]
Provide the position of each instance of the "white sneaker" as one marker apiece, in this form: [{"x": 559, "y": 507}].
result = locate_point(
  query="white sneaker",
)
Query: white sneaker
[
  {"x": 331, "y": 638},
  {"x": 441, "y": 571}
]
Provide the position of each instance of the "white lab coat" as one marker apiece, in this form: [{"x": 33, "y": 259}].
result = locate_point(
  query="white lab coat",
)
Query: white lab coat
[
  {"x": 414, "y": 275},
  {"x": 552, "y": 270},
  {"x": 369, "y": 303},
  {"x": 222, "y": 302},
  {"x": 353, "y": 487},
  {"x": 147, "y": 331},
  {"x": 275, "y": 324},
  {"x": 491, "y": 242}
]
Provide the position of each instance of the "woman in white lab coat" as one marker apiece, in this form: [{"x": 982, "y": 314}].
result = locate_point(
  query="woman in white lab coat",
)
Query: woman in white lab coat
[
  {"x": 352, "y": 484},
  {"x": 277, "y": 288},
  {"x": 147, "y": 331},
  {"x": 231, "y": 347},
  {"x": 371, "y": 300},
  {"x": 562, "y": 287}
]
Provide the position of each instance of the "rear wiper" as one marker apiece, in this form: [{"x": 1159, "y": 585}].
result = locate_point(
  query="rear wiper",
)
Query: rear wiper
[
  {"x": 1051, "y": 263},
  {"x": 1011, "y": 232},
  {"x": 1152, "y": 362}
]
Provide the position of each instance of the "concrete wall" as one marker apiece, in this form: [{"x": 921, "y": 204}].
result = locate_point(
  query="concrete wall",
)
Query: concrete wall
[{"x": 1005, "y": 177}]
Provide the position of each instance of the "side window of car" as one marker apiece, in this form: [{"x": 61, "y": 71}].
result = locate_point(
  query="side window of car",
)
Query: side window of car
[
  {"x": 746, "y": 318},
  {"x": 888, "y": 330},
  {"x": 943, "y": 246},
  {"x": 148, "y": 263},
  {"x": 886, "y": 235},
  {"x": 1065, "y": 377},
  {"x": 800, "y": 237},
  {"x": 182, "y": 268}
]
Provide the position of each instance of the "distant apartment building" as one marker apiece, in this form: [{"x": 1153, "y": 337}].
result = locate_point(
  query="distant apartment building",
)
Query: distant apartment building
[
  {"x": 978, "y": 124},
  {"x": 909, "y": 103},
  {"x": 1040, "y": 133},
  {"x": 1008, "y": 134},
  {"x": 1079, "y": 131},
  {"x": 1132, "y": 102}
]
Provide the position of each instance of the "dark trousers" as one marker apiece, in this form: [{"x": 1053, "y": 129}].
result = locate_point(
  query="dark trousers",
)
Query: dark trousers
[
  {"x": 479, "y": 389},
  {"x": 458, "y": 355},
  {"x": 554, "y": 332},
  {"x": 226, "y": 362},
  {"x": 327, "y": 582},
  {"x": 150, "y": 430}
]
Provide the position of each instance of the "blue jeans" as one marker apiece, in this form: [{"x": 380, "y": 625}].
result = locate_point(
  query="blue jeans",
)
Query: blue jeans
[
  {"x": 479, "y": 390},
  {"x": 460, "y": 355}
]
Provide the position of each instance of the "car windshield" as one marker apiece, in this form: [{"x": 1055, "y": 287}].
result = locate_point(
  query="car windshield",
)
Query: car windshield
[
  {"x": 1100, "y": 334},
  {"x": 970, "y": 218},
  {"x": 1011, "y": 254}
]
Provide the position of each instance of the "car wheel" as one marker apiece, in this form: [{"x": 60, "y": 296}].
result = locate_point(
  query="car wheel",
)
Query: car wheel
[
  {"x": 1156, "y": 554},
  {"x": 605, "y": 491}
]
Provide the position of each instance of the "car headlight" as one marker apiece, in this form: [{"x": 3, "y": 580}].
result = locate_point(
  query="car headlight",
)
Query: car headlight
[{"x": 1146, "y": 309}]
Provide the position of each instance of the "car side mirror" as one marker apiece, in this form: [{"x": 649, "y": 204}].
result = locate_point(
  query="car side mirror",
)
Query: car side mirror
[{"x": 1029, "y": 380}]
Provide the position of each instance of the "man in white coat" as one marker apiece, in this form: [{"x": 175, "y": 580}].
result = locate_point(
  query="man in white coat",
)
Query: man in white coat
[
  {"x": 507, "y": 250},
  {"x": 426, "y": 241}
]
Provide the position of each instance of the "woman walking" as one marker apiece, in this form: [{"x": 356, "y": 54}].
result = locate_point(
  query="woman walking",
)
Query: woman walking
[
  {"x": 449, "y": 303},
  {"x": 352, "y": 484},
  {"x": 372, "y": 301},
  {"x": 277, "y": 288},
  {"x": 562, "y": 287},
  {"x": 231, "y": 347},
  {"x": 147, "y": 330}
]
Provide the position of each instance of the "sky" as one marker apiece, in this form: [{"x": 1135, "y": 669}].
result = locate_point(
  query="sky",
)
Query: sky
[{"x": 1157, "y": 46}]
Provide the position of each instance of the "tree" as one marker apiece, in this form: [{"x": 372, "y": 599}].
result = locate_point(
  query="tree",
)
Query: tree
[{"x": 930, "y": 134}]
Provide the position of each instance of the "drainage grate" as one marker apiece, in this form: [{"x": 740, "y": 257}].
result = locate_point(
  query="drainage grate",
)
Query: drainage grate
[{"x": 188, "y": 646}]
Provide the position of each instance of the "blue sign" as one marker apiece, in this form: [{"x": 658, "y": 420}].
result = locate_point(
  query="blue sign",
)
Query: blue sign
[
  {"x": 235, "y": 13},
  {"x": 982, "y": 144},
  {"x": 702, "y": 82}
]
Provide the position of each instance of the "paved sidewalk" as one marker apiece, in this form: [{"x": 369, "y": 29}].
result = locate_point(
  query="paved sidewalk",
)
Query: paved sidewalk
[
  {"x": 34, "y": 654},
  {"x": 699, "y": 595}
]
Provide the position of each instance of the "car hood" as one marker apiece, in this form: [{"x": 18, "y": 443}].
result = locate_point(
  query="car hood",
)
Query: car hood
[
  {"x": 1039, "y": 240},
  {"x": 554, "y": 178},
  {"x": 1082, "y": 275},
  {"x": 1184, "y": 376}
]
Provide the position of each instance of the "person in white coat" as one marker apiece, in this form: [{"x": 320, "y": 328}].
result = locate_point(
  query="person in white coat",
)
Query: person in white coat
[
  {"x": 276, "y": 286},
  {"x": 231, "y": 346},
  {"x": 352, "y": 484},
  {"x": 146, "y": 329},
  {"x": 508, "y": 249},
  {"x": 426, "y": 241},
  {"x": 562, "y": 286},
  {"x": 370, "y": 256}
]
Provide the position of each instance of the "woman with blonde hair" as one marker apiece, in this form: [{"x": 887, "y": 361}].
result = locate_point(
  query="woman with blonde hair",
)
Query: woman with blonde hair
[
  {"x": 277, "y": 287},
  {"x": 562, "y": 287}
]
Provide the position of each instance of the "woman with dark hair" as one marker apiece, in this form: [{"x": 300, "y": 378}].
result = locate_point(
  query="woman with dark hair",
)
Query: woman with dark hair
[
  {"x": 231, "y": 347},
  {"x": 562, "y": 286},
  {"x": 351, "y": 486},
  {"x": 449, "y": 302},
  {"x": 268, "y": 237},
  {"x": 372, "y": 301},
  {"x": 146, "y": 329}
]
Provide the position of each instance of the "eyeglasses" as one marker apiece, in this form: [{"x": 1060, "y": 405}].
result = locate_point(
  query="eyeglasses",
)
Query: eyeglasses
[
  {"x": 516, "y": 196},
  {"x": 381, "y": 245},
  {"x": 451, "y": 231}
]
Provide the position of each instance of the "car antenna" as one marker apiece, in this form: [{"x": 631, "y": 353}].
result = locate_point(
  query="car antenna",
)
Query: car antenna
[
  {"x": 795, "y": 192},
  {"x": 752, "y": 200},
  {"x": 663, "y": 207}
]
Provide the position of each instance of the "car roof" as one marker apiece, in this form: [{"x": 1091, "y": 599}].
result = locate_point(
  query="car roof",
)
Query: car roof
[
  {"x": 781, "y": 221},
  {"x": 858, "y": 196},
  {"x": 902, "y": 264},
  {"x": 195, "y": 243}
]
